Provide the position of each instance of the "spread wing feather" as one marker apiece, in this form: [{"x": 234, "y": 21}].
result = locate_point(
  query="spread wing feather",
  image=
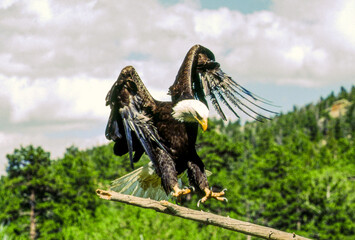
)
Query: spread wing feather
[
  {"x": 200, "y": 77},
  {"x": 132, "y": 108}
]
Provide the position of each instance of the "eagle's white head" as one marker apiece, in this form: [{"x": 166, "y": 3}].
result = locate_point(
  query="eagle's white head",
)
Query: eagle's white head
[{"x": 191, "y": 110}]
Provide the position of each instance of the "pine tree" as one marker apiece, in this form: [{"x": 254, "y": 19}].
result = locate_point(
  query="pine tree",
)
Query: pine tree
[{"x": 29, "y": 179}]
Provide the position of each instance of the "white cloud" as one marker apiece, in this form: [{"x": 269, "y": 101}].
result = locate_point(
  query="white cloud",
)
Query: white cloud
[
  {"x": 6, "y": 3},
  {"x": 94, "y": 39},
  {"x": 297, "y": 53},
  {"x": 64, "y": 98},
  {"x": 345, "y": 21},
  {"x": 214, "y": 23},
  {"x": 41, "y": 7}
]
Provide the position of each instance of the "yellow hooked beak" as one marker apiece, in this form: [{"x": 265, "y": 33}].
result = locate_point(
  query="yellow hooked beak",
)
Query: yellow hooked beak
[{"x": 203, "y": 123}]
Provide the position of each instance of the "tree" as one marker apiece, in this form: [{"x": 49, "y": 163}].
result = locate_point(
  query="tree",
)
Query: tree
[{"x": 29, "y": 180}]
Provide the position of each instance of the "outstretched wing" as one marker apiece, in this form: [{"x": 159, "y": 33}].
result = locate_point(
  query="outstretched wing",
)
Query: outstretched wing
[
  {"x": 200, "y": 76},
  {"x": 130, "y": 122}
]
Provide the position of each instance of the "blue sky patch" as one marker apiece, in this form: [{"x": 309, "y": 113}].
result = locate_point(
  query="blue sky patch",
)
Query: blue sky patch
[
  {"x": 243, "y": 6},
  {"x": 137, "y": 56}
]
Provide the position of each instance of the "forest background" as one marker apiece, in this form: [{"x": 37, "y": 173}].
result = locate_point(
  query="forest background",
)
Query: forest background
[{"x": 295, "y": 173}]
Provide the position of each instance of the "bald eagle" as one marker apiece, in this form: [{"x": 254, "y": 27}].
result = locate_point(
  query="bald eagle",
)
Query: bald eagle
[{"x": 167, "y": 131}]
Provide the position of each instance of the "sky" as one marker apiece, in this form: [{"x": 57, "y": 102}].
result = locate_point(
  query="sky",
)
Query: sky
[{"x": 58, "y": 59}]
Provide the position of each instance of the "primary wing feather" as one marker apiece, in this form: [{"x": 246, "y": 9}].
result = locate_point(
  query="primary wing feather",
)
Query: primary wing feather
[{"x": 200, "y": 77}]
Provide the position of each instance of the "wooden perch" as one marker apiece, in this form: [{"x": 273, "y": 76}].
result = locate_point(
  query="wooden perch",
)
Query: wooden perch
[{"x": 200, "y": 216}]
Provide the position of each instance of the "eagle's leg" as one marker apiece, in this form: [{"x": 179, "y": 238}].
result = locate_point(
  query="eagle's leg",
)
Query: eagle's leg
[
  {"x": 168, "y": 175},
  {"x": 196, "y": 174},
  {"x": 197, "y": 177}
]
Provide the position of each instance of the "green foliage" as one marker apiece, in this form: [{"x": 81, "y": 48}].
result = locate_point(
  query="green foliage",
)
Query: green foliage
[
  {"x": 29, "y": 174},
  {"x": 295, "y": 173}
]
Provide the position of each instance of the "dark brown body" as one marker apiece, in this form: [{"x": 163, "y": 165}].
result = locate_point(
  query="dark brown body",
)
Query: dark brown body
[{"x": 138, "y": 123}]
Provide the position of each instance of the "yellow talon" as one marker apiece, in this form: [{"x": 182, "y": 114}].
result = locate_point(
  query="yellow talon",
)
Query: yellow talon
[
  {"x": 210, "y": 194},
  {"x": 179, "y": 192}
]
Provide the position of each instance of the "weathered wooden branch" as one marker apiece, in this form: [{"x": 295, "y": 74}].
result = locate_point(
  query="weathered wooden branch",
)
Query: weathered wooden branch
[{"x": 200, "y": 216}]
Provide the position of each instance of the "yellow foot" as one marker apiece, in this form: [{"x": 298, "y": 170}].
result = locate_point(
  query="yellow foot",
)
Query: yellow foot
[
  {"x": 179, "y": 192},
  {"x": 210, "y": 194}
]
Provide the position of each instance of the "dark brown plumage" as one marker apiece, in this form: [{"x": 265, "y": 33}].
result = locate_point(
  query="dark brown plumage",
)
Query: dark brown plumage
[{"x": 138, "y": 123}]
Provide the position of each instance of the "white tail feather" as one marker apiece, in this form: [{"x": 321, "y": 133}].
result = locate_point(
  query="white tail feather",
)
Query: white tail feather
[{"x": 143, "y": 182}]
